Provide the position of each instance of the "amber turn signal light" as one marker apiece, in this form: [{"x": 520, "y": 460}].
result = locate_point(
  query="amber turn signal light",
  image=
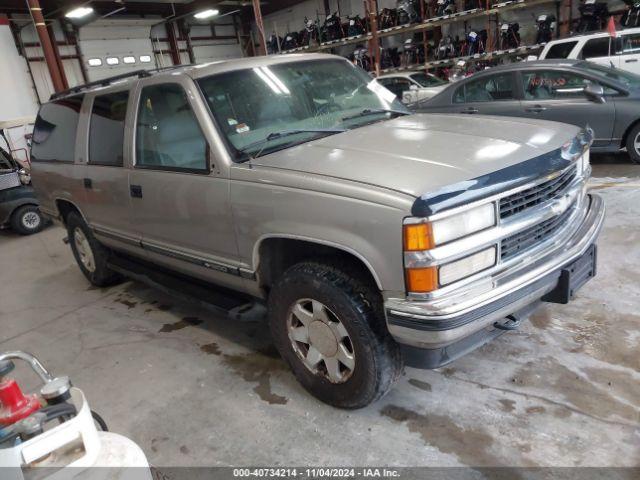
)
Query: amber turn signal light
[
  {"x": 418, "y": 236},
  {"x": 422, "y": 280}
]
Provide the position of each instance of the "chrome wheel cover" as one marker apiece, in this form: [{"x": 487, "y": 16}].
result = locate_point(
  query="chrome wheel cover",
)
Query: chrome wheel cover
[
  {"x": 320, "y": 340},
  {"x": 84, "y": 250},
  {"x": 636, "y": 144},
  {"x": 31, "y": 220}
]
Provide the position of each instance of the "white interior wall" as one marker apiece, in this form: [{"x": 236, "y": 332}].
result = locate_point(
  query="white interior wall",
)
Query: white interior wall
[{"x": 19, "y": 98}]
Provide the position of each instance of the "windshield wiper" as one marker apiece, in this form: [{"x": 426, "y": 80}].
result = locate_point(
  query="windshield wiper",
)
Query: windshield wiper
[
  {"x": 286, "y": 133},
  {"x": 373, "y": 111}
]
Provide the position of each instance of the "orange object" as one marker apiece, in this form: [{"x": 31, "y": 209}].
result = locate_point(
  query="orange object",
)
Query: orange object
[
  {"x": 422, "y": 280},
  {"x": 418, "y": 236}
]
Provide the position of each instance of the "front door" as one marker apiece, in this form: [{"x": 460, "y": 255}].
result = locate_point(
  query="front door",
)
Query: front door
[
  {"x": 180, "y": 203},
  {"x": 558, "y": 95}
]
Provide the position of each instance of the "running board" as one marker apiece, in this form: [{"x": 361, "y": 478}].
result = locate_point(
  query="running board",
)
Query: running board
[{"x": 218, "y": 299}]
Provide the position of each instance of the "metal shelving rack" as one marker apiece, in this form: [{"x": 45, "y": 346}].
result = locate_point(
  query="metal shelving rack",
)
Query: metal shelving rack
[{"x": 431, "y": 24}]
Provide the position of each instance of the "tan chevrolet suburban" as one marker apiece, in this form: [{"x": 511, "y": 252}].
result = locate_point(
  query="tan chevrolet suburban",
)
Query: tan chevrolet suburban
[{"x": 376, "y": 238}]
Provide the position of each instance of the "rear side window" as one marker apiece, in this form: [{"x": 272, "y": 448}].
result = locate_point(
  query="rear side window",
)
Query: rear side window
[
  {"x": 168, "y": 136},
  {"x": 106, "y": 129},
  {"x": 54, "y": 133},
  {"x": 596, "y": 47},
  {"x": 560, "y": 50}
]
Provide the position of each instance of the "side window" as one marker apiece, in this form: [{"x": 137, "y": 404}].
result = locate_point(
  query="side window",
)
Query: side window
[
  {"x": 106, "y": 129},
  {"x": 560, "y": 50},
  {"x": 596, "y": 47},
  {"x": 458, "y": 96},
  {"x": 488, "y": 89},
  {"x": 54, "y": 133},
  {"x": 548, "y": 85},
  {"x": 398, "y": 86},
  {"x": 167, "y": 132},
  {"x": 630, "y": 44}
]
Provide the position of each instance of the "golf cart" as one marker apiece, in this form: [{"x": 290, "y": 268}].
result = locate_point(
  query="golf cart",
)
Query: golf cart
[{"x": 18, "y": 204}]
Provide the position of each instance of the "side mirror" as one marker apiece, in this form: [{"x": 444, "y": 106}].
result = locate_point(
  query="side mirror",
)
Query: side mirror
[
  {"x": 595, "y": 93},
  {"x": 413, "y": 87}
]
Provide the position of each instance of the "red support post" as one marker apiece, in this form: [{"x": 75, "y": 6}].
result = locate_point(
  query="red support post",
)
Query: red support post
[
  {"x": 257, "y": 13},
  {"x": 374, "y": 43},
  {"x": 173, "y": 43},
  {"x": 47, "y": 47}
]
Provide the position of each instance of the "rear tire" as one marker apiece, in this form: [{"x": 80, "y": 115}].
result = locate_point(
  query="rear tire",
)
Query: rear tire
[
  {"x": 633, "y": 144},
  {"x": 314, "y": 302},
  {"x": 27, "y": 220},
  {"x": 90, "y": 254}
]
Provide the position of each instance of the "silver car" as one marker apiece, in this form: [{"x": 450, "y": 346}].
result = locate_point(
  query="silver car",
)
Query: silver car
[
  {"x": 376, "y": 238},
  {"x": 570, "y": 91}
]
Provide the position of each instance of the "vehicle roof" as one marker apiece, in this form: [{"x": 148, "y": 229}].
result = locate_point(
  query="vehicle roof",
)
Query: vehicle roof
[
  {"x": 509, "y": 67},
  {"x": 582, "y": 36},
  {"x": 400, "y": 74},
  {"x": 198, "y": 70}
]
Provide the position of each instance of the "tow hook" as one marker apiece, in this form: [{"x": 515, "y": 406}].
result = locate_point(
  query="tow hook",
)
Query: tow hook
[{"x": 511, "y": 323}]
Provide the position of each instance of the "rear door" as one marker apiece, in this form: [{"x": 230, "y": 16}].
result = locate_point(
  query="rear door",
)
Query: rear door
[
  {"x": 487, "y": 95},
  {"x": 561, "y": 49},
  {"x": 107, "y": 206},
  {"x": 600, "y": 50},
  {"x": 558, "y": 95},
  {"x": 180, "y": 201}
]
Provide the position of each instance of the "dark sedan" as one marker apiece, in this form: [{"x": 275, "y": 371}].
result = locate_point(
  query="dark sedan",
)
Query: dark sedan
[{"x": 569, "y": 91}]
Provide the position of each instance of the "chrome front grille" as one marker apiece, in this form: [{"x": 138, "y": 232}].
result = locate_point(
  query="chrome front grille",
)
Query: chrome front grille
[
  {"x": 532, "y": 236},
  {"x": 537, "y": 194}
]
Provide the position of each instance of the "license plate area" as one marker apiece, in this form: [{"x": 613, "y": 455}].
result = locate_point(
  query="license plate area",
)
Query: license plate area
[{"x": 574, "y": 276}]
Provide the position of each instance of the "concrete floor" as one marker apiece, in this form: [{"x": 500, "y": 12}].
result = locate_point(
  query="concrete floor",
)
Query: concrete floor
[{"x": 192, "y": 388}]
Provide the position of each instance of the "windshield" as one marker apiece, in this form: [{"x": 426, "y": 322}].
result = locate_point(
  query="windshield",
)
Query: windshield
[
  {"x": 427, "y": 80},
  {"x": 622, "y": 76},
  {"x": 264, "y": 109}
]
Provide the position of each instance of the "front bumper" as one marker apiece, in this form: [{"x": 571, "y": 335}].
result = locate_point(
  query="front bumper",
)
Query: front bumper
[{"x": 418, "y": 325}]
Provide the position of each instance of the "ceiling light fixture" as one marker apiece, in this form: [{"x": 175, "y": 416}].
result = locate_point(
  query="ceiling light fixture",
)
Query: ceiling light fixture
[
  {"x": 206, "y": 14},
  {"x": 79, "y": 12}
]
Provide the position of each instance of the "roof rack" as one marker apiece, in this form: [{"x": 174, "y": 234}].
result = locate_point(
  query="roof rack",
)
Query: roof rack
[
  {"x": 109, "y": 80},
  {"x": 100, "y": 83}
]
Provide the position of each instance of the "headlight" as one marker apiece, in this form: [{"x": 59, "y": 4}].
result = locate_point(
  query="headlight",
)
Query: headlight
[
  {"x": 423, "y": 236},
  {"x": 467, "y": 266},
  {"x": 427, "y": 235},
  {"x": 463, "y": 224}
]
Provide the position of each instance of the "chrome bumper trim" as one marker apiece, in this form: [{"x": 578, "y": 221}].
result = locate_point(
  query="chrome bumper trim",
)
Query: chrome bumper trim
[{"x": 490, "y": 289}]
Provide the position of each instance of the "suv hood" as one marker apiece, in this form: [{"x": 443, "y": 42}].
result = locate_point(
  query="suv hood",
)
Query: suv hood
[{"x": 420, "y": 153}]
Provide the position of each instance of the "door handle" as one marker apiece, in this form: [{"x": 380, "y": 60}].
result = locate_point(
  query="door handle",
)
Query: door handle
[
  {"x": 535, "y": 109},
  {"x": 469, "y": 110},
  {"x": 136, "y": 191},
  {"x": 631, "y": 60},
  {"x": 88, "y": 184}
]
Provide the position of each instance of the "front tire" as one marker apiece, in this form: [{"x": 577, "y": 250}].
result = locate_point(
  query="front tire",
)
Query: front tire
[
  {"x": 90, "y": 254},
  {"x": 27, "y": 220},
  {"x": 329, "y": 327},
  {"x": 633, "y": 144}
]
